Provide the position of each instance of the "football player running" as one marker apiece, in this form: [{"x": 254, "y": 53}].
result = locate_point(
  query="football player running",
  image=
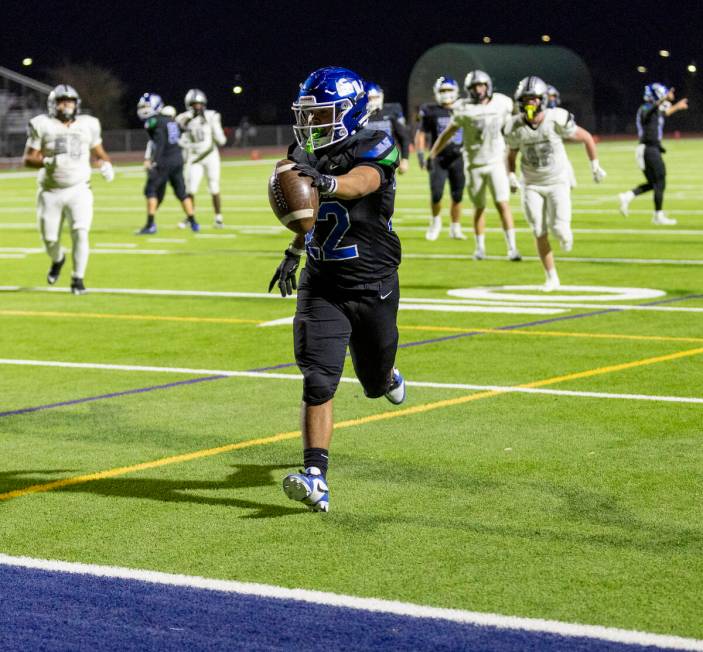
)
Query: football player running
[
  {"x": 481, "y": 117},
  {"x": 202, "y": 134},
  {"x": 389, "y": 118},
  {"x": 348, "y": 293},
  {"x": 60, "y": 143},
  {"x": 449, "y": 164},
  {"x": 537, "y": 133},
  {"x": 650, "y": 129},
  {"x": 163, "y": 162}
]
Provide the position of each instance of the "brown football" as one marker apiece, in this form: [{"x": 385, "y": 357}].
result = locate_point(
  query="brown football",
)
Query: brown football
[{"x": 293, "y": 198}]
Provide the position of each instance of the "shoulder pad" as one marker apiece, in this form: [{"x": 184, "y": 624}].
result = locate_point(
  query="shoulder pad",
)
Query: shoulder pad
[{"x": 379, "y": 148}]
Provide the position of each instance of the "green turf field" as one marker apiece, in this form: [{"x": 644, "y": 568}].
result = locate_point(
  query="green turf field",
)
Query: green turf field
[{"x": 583, "y": 506}]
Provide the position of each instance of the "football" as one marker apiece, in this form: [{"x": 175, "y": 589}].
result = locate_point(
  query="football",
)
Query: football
[{"x": 293, "y": 199}]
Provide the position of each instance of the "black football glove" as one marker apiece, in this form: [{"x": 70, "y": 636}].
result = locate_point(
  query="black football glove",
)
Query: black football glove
[
  {"x": 326, "y": 183},
  {"x": 421, "y": 160},
  {"x": 285, "y": 274}
]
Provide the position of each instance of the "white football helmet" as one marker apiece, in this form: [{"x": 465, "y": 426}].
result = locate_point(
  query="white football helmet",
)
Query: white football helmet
[
  {"x": 375, "y": 94},
  {"x": 446, "y": 91},
  {"x": 195, "y": 96},
  {"x": 527, "y": 90},
  {"x": 63, "y": 92},
  {"x": 474, "y": 78},
  {"x": 149, "y": 105},
  {"x": 169, "y": 111}
]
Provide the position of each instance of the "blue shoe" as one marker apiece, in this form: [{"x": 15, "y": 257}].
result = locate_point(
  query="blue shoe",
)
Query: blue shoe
[
  {"x": 309, "y": 487},
  {"x": 396, "y": 392},
  {"x": 147, "y": 230},
  {"x": 194, "y": 226}
]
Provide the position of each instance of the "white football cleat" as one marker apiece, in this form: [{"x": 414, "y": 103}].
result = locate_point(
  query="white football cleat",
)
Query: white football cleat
[
  {"x": 396, "y": 392},
  {"x": 434, "y": 229},
  {"x": 309, "y": 487},
  {"x": 625, "y": 199},
  {"x": 183, "y": 225},
  {"x": 479, "y": 254},
  {"x": 662, "y": 220},
  {"x": 455, "y": 232},
  {"x": 514, "y": 255},
  {"x": 219, "y": 222},
  {"x": 551, "y": 284}
]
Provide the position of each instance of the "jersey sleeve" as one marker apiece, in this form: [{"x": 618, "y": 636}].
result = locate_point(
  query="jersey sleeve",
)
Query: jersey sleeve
[
  {"x": 564, "y": 123},
  {"x": 218, "y": 133},
  {"x": 425, "y": 119},
  {"x": 34, "y": 134},
  {"x": 380, "y": 152},
  {"x": 402, "y": 135},
  {"x": 95, "y": 133},
  {"x": 510, "y": 136}
]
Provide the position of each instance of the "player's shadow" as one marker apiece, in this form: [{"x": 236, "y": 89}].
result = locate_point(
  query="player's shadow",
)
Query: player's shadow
[{"x": 198, "y": 492}]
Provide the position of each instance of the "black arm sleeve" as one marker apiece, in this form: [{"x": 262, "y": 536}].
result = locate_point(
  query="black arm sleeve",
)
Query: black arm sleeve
[{"x": 401, "y": 133}]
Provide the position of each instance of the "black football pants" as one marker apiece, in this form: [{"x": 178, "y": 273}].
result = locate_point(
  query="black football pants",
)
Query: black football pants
[
  {"x": 327, "y": 320},
  {"x": 655, "y": 172},
  {"x": 439, "y": 174}
]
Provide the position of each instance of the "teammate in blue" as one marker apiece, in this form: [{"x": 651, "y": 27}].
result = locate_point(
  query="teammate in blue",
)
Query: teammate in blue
[
  {"x": 388, "y": 117},
  {"x": 449, "y": 164},
  {"x": 650, "y": 129},
  {"x": 348, "y": 293},
  {"x": 163, "y": 161}
]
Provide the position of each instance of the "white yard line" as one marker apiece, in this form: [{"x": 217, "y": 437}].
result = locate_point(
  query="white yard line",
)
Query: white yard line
[
  {"x": 377, "y": 605},
  {"x": 565, "y": 259},
  {"x": 297, "y": 377}
]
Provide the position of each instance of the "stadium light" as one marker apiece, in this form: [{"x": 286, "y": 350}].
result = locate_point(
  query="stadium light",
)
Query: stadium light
[
  {"x": 641, "y": 69},
  {"x": 546, "y": 38},
  {"x": 664, "y": 53},
  {"x": 486, "y": 39},
  {"x": 691, "y": 67},
  {"x": 27, "y": 61},
  {"x": 237, "y": 90}
]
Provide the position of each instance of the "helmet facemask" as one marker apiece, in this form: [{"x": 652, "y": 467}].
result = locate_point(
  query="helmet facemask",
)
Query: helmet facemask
[
  {"x": 320, "y": 125},
  {"x": 60, "y": 95},
  {"x": 447, "y": 95},
  {"x": 531, "y": 108},
  {"x": 375, "y": 102}
]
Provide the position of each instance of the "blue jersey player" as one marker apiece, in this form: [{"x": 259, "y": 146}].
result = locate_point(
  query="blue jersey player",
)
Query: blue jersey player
[
  {"x": 388, "y": 117},
  {"x": 348, "y": 292}
]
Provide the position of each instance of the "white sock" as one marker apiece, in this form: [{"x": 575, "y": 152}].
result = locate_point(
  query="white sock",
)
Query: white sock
[
  {"x": 552, "y": 275},
  {"x": 81, "y": 249},
  {"x": 628, "y": 196},
  {"x": 54, "y": 249},
  {"x": 218, "y": 218},
  {"x": 435, "y": 221},
  {"x": 480, "y": 241},
  {"x": 510, "y": 239}
]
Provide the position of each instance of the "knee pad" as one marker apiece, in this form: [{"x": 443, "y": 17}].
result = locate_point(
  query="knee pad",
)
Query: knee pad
[{"x": 318, "y": 387}]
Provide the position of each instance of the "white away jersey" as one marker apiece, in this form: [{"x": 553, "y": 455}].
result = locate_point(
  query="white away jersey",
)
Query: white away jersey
[
  {"x": 482, "y": 125},
  {"x": 69, "y": 144},
  {"x": 544, "y": 160},
  {"x": 201, "y": 133}
]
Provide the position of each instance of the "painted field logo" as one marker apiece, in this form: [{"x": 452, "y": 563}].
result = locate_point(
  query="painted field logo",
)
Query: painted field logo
[{"x": 566, "y": 293}]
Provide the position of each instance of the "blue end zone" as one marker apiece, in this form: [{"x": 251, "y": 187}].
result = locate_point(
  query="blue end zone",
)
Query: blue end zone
[{"x": 59, "y": 611}]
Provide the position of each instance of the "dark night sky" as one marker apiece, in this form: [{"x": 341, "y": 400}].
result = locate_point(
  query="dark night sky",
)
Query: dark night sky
[{"x": 168, "y": 47}]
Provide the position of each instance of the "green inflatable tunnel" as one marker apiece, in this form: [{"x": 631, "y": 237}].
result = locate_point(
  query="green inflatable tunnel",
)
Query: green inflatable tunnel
[{"x": 507, "y": 65}]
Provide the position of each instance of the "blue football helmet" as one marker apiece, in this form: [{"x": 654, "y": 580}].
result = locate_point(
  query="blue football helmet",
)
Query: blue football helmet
[
  {"x": 553, "y": 97},
  {"x": 149, "y": 105},
  {"x": 446, "y": 91},
  {"x": 374, "y": 93},
  {"x": 331, "y": 105},
  {"x": 655, "y": 92}
]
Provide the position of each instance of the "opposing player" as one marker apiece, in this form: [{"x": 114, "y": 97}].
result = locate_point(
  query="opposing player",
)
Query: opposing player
[
  {"x": 202, "y": 134},
  {"x": 389, "y": 117},
  {"x": 650, "y": 129},
  {"x": 481, "y": 117},
  {"x": 537, "y": 133},
  {"x": 163, "y": 162},
  {"x": 348, "y": 293},
  {"x": 60, "y": 143},
  {"x": 553, "y": 97},
  {"x": 449, "y": 164}
]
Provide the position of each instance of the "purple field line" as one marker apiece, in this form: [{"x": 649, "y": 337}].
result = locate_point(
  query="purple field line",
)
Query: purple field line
[
  {"x": 284, "y": 365},
  {"x": 127, "y": 392}
]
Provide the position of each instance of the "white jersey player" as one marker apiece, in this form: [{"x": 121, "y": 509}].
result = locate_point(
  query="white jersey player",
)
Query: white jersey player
[
  {"x": 60, "y": 143},
  {"x": 202, "y": 134},
  {"x": 481, "y": 117},
  {"x": 537, "y": 133}
]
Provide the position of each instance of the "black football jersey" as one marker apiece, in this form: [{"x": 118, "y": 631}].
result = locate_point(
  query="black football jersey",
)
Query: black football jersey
[
  {"x": 650, "y": 123},
  {"x": 353, "y": 245},
  {"x": 434, "y": 119},
  {"x": 391, "y": 120},
  {"x": 164, "y": 133}
]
